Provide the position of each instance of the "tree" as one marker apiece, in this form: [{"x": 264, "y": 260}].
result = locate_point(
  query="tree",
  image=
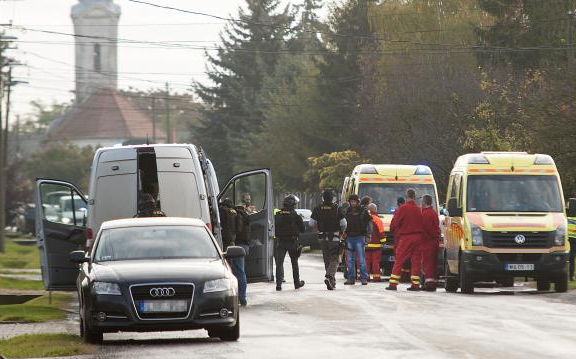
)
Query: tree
[
  {"x": 43, "y": 116},
  {"x": 251, "y": 46},
  {"x": 329, "y": 169}
]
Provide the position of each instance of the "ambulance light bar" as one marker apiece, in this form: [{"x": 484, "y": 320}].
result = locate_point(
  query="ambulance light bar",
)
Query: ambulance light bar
[
  {"x": 368, "y": 169},
  {"x": 422, "y": 170},
  {"x": 543, "y": 160}
]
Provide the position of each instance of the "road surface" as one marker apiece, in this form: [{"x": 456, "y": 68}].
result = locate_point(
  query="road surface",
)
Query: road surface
[{"x": 367, "y": 321}]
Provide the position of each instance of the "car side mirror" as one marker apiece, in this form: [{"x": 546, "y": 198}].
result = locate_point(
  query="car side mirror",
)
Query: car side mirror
[
  {"x": 78, "y": 257},
  {"x": 234, "y": 252},
  {"x": 453, "y": 210},
  {"x": 571, "y": 210}
]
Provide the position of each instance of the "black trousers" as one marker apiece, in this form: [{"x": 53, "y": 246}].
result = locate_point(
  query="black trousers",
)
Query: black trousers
[
  {"x": 289, "y": 246},
  {"x": 572, "y": 255}
]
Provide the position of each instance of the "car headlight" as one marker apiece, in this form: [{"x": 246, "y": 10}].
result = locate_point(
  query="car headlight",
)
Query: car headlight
[
  {"x": 106, "y": 288},
  {"x": 560, "y": 237},
  {"x": 218, "y": 285},
  {"x": 477, "y": 239}
]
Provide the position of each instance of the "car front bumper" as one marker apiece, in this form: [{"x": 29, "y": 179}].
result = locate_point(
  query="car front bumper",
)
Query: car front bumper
[{"x": 121, "y": 314}]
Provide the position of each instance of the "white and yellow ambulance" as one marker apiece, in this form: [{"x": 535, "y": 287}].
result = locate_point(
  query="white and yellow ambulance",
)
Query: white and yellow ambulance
[
  {"x": 385, "y": 183},
  {"x": 506, "y": 219}
]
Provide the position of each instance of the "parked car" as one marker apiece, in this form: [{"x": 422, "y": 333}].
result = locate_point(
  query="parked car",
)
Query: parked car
[
  {"x": 310, "y": 236},
  {"x": 157, "y": 274}
]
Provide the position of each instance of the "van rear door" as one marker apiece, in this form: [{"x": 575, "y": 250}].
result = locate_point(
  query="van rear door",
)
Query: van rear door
[
  {"x": 59, "y": 231},
  {"x": 257, "y": 183}
]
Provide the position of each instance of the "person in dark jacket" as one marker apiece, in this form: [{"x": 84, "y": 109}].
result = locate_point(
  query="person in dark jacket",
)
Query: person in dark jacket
[
  {"x": 242, "y": 240},
  {"x": 228, "y": 220},
  {"x": 358, "y": 233},
  {"x": 289, "y": 225},
  {"x": 147, "y": 207},
  {"x": 329, "y": 219}
]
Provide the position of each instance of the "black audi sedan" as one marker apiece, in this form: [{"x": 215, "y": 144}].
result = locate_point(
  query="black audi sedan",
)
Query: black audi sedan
[{"x": 157, "y": 274}]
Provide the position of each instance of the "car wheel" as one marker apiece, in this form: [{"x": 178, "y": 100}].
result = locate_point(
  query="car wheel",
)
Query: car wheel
[
  {"x": 561, "y": 285},
  {"x": 90, "y": 336},
  {"x": 543, "y": 284},
  {"x": 466, "y": 283},
  {"x": 230, "y": 334},
  {"x": 451, "y": 281}
]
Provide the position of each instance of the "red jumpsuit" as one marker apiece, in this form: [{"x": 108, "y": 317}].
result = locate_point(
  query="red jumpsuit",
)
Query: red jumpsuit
[
  {"x": 374, "y": 248},
  {"x": 407, "y": 224},
  {"x": 430, "y": 245}
]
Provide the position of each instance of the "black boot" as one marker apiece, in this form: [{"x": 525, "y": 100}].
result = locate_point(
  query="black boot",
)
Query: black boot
[
  {"x": 328, "y": 284},
  {"x": 299, "y": 284}
]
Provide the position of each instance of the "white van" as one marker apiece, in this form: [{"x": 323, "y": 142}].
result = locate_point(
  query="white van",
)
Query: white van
[{"x": 182, "y": 180}]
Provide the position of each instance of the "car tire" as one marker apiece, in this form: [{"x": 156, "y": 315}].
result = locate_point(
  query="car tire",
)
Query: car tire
[
  {"x": 90, "y": 336},
  {"x": 230, "y": 334},
  {"x": 450, "y": 281},
  {"x": 543, "y": 285},
  {"x": 466, "y": 283},
  {"x": 561, "y": 284}
]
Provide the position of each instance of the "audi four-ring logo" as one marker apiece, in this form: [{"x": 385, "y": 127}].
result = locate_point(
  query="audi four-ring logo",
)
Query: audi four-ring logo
[{"x": 162, "y": 292}]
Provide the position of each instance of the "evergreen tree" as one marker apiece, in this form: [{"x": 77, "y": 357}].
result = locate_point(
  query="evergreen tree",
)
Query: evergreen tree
[{"x": 251, "y": 46}]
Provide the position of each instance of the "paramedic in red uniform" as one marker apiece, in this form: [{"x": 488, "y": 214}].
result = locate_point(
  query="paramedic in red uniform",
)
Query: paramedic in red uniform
[
  {"x": 407, "y": 223},
  {"x": 430, "y": 242}
]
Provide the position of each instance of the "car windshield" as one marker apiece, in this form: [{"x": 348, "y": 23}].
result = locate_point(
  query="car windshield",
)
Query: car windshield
[
  {"x": 304, "y": 213},
  {"x": 385, "y": 195},
  {"x": 154, "y": 242},
  {"x": 513, "y": 194}
]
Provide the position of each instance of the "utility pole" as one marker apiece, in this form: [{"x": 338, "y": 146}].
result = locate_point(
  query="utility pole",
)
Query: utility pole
[
  {"x": 571, "y": 15},
  {"x": 153, "y": 118},
  {"x": 17, "y": 130},
  {"x": 2, "y": 185},
  {"x": 167, "y": 101},
  {"x": 6, "y": 124}
]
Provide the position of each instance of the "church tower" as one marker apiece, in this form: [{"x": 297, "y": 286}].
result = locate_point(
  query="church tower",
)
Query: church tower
[{"x": 96, "y": 29}]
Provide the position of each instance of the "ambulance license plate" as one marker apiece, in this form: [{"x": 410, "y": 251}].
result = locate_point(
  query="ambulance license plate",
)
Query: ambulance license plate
[
  {"x": 519, "y": 267},
  {"x": 163, "y": 306}
]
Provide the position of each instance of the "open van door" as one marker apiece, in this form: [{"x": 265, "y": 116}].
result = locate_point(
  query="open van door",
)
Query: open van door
[
  {"x": 60, "y": 229},
  {"x": 258, "y": 184}
]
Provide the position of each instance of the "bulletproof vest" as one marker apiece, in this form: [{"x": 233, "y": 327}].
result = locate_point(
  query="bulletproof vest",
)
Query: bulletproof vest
[
  {"x": 328, "y": 220},
  {"x": 286, "y": 224},
  {"x": 355, "y": 219}
]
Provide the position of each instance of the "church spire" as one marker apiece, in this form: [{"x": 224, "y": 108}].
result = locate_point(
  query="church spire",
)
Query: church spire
[{"x": 96, "y": 29}]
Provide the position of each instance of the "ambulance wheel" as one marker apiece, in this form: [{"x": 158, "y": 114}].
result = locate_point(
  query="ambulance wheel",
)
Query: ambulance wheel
[
  {"x": 561, "y": 284},
  {"x": 450, "y": 280},
  {"x": 466, "y": 283},
  {"x": 543, "y": 284}
]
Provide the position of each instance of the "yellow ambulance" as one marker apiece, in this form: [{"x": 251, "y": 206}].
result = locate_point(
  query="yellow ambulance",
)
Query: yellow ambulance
[
  {"x": 505, "y": 219},
  {"x": 385, "y": 184}
]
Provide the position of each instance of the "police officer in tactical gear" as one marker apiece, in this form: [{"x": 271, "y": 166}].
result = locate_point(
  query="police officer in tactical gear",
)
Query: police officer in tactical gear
[
  {"x": 289, "y": 225},
  {"x": 329, "y": 219},
  {"x": 147, "y": 207},
  {"x": 228, "y": 218}
]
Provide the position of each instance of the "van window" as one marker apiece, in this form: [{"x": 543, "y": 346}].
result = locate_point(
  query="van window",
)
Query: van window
[
  {"x": 385, "y": 195},
  {"x": 116, "y": 198},
  {"x": 179, "y": 194},
  {"x": 513, "y": 194},
  {"x": 249, "y": 191}
]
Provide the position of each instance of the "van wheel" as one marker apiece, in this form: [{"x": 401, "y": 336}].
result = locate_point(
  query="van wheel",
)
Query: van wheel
[
  {"x": 451, "y": 281},
  {"x": 561, "y": 285},
  {"x": 543, "y": 285},
  {"x": 466, "y": 283}
]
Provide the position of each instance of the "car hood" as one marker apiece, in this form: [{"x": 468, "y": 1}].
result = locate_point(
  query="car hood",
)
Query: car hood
[
  {"x": 517, "y": 221},
  {"x": 160, "y": 270}
]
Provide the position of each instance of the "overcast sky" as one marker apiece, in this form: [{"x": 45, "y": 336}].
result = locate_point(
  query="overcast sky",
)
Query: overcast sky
[{"x": 50, "y": 57}]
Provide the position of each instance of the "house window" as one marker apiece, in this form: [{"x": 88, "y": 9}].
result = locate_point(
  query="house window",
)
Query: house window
[{"x": 97, "y": 58}]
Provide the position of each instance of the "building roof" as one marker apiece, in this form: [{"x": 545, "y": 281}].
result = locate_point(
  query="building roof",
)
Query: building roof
[{"x": 105, "y": 114}]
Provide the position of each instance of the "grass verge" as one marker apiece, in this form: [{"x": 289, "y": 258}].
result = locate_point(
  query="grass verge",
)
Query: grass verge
[
  {"x": 19, "y": 257},
  {"x": 20, "y": 284},
  {"x": 37, "y": 310},
  {"x": 44, "y": 345}
]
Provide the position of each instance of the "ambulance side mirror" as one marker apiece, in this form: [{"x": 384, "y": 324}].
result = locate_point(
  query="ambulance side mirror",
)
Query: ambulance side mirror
[
  {"x": 571, "y": 210},
  {"x": 453, "y": 210}
]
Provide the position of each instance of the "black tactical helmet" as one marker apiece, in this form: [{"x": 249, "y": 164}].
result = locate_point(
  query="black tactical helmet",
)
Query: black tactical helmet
[
  {"x": 328, "y": 195},
  {"x": 290, "y": 201}
]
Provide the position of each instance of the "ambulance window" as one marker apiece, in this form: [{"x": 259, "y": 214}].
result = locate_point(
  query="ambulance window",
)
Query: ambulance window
[{"x": 460, "y": 191}]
